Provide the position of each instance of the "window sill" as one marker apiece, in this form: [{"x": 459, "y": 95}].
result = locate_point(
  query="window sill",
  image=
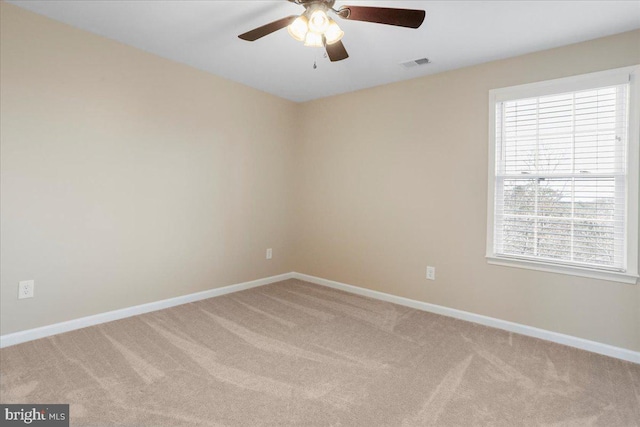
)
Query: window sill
[{"x": 613, "y": 276}]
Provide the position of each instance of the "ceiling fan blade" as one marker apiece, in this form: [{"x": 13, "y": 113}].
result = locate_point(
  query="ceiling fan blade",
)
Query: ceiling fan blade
[
  {"x": 336, "y": 51},
  {"x": 410, "y": 18},
  {"x": 267, "y": 29}
]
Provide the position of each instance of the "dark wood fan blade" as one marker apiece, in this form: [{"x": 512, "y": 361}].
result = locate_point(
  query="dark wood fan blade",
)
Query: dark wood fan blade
[
  {"x": 336, "y": 51},
  {"x": 410, "y": 18},
  {"x": 265, "y": 30}
]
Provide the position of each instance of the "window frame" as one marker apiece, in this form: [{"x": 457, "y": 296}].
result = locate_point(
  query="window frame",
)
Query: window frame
[{"x": 563, "y": 85}]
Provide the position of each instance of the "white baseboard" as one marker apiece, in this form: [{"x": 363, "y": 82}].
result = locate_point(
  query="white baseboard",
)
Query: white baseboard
[
  {"x": 83, "y": 322},
  {"x": 571, "y": 341}
]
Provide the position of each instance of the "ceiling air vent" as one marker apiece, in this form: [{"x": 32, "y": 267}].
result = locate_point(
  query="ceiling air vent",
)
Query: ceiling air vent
[{"x": 415, "y": 63}]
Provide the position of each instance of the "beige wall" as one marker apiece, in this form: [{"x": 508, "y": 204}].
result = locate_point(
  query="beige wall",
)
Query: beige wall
[
  {"x": 395, "y": 178},
  {"x": 128, "y": 178}
]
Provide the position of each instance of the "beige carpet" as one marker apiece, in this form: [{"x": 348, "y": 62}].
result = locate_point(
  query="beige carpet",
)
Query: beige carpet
[{"x": 294, "y": 353}]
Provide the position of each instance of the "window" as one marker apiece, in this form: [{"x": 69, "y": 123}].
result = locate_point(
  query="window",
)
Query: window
[{"x": 563, "y": 176}]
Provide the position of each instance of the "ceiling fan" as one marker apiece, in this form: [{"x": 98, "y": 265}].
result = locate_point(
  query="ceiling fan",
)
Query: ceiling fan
[{"x": 315, "y": 28}]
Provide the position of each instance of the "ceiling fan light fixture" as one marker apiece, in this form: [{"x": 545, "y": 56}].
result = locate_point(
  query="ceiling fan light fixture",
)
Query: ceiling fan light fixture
[
  {"x": 298, "y": 28},
  {"x": 313, "y": 39},
  {"x": 316, "y": 29},
  {"x": 318, "y": 21},
  {"x": 333, "y": 33}
]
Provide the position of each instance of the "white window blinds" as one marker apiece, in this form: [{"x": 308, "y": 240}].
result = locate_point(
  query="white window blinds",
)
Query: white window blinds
[{"x": 561, "y": 176}]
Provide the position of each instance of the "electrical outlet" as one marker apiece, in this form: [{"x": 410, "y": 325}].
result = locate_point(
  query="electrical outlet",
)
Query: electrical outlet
[
  {"x": 431, "y": 273},
  {"x": 269, "y": 253},
  {"x": 25, "y": 289}
]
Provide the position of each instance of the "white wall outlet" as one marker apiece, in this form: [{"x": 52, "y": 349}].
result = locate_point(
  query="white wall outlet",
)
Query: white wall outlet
[
  {"x": 25, "y": 289},
  {"x": 269, "y": 253},
  {"x": 431, "y": 273}
]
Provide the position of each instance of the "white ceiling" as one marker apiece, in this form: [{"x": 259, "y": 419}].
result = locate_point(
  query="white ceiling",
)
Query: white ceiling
[{"x": 455, "y": 34}]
